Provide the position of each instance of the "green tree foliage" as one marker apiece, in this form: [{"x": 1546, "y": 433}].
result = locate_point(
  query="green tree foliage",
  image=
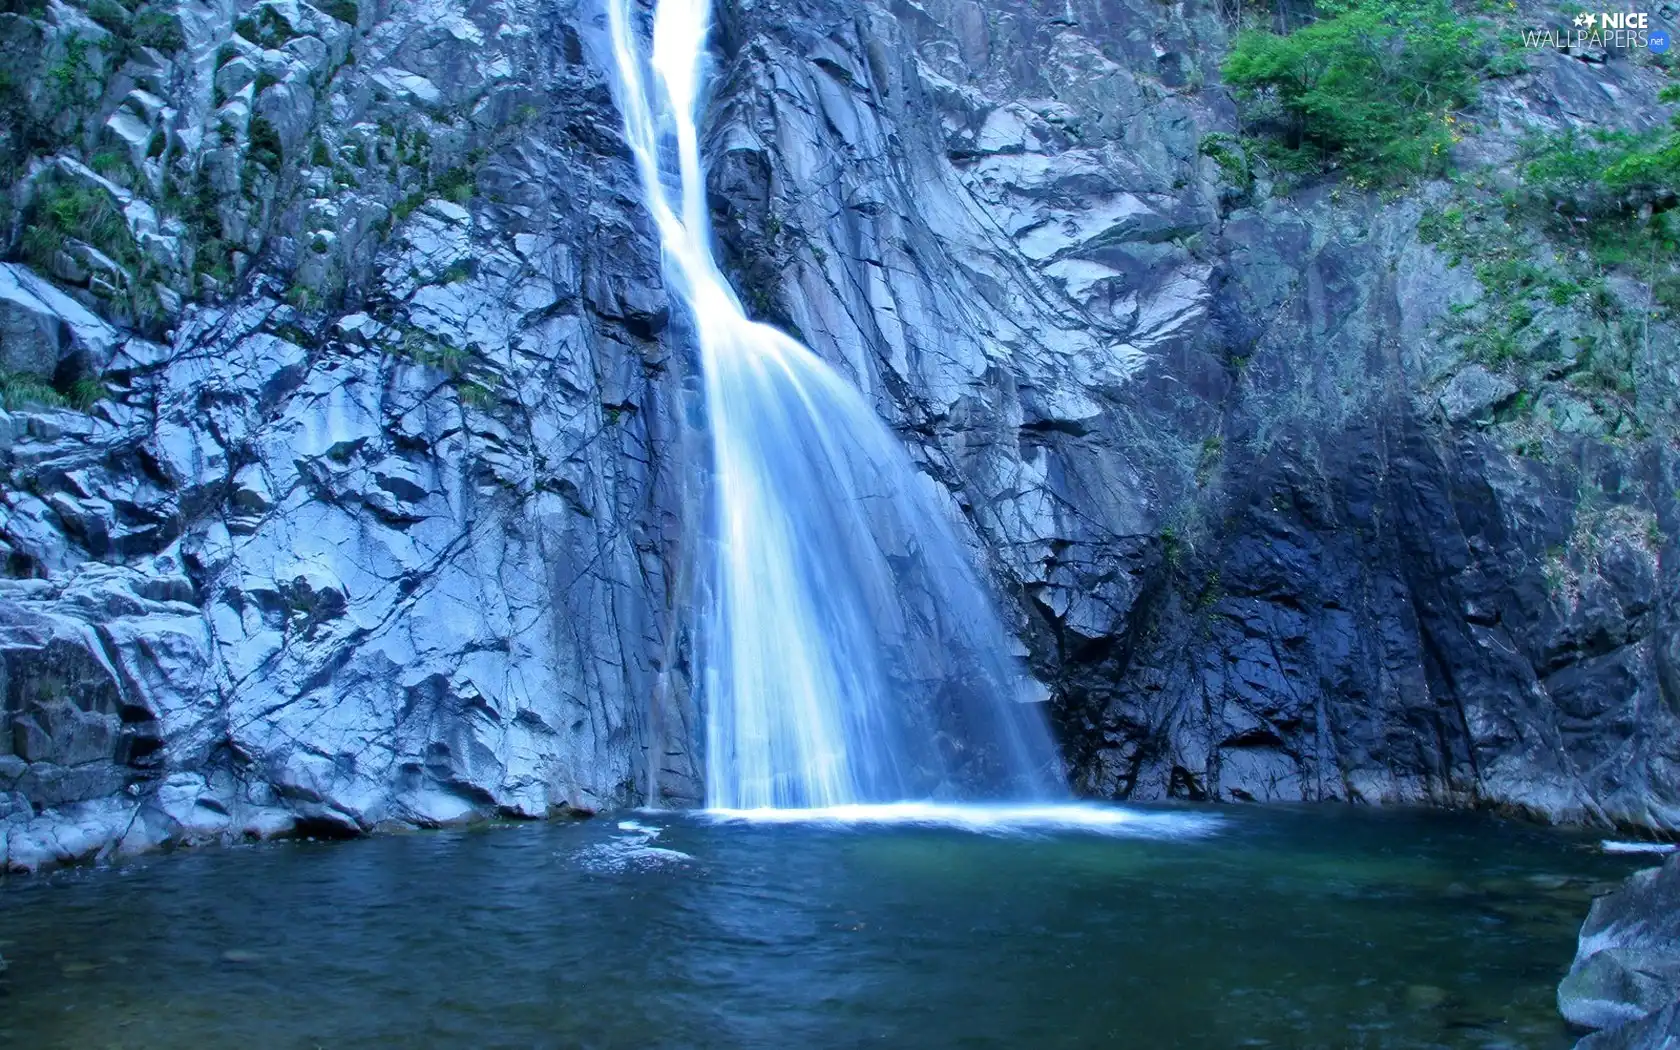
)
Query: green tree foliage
[
  {"x": 1609, "y": 172},
  {"x": 1371, "y": 86}
]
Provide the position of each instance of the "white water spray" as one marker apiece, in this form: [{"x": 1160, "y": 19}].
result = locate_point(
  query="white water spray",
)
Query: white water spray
[{"x": 848, "y": 654}]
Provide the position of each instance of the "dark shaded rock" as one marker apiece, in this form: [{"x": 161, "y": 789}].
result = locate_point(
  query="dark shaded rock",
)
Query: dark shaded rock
[
  {"x": 1627, "y": 964},
  {"x": 1655, "y": 1031}
]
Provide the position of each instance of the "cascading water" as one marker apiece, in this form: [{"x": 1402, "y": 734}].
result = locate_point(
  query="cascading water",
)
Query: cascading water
[{"x": 848, "y": 653}]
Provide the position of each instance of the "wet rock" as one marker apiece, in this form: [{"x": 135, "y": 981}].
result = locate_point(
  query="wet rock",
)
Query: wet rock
[
  {"x": 1655, "y": 1031},
  {"x": 1627, "y": 964},
  {"x": 1424, "y": 996}
]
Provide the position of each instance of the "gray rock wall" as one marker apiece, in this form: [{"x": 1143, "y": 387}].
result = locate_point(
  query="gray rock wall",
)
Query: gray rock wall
[
  {"x": 1269, "y": 527},
  {"x": 379, "y": 507},
  {"x": 397, "y": 544}
]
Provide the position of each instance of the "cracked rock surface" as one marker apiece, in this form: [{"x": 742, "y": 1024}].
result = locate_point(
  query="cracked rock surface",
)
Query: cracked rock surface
[{"x": 385, "y": 509}]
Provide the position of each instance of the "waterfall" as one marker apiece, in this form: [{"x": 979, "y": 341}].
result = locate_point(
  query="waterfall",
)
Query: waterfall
[{"x": 847, "y": 651}]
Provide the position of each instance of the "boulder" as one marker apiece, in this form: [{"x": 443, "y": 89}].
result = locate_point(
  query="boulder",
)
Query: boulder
[
  {"x": 40, "y": 327},
  {"x": 1658, "y": 1031},
  {"x": 1627, "y": 964},
  {"x": 1475, "y": 394}
]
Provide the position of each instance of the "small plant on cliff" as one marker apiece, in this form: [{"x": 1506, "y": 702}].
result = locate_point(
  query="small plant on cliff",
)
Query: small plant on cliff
[
  {"x": 74, "y": 78},
  {"x": 345, "y": 11},
  {"x": 1372, "y": 86},
  {"x": 109, "y": 14},
  {"x": 473, "y": 395},
  {"x": 64, "y": 212},
  {"x": 266, "y": 27},
  {"x": 160, "y": 29},
  {"x": 1227, "y": 152},
  {"x": 265, "y": 144},
  {"x": 21, "y": 391}
]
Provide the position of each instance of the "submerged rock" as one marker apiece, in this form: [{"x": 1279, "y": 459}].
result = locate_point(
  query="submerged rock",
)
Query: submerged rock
[{"x": 1627, "y": 963}]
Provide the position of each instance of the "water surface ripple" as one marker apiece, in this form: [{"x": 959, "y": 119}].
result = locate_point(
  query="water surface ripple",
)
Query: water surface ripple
[{"x": 1196, "y": 927}]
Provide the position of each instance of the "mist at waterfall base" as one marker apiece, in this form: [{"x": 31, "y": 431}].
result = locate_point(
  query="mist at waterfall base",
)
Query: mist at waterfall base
[{"x": 849, "y": 655}]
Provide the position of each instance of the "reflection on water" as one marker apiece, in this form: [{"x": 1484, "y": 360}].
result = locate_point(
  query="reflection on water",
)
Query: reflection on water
[{"x": 1325, "y": 927}]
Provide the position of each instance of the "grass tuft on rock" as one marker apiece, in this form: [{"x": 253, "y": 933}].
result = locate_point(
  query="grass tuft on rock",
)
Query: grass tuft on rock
[
  {"x": 62, "y": 212},
  {"x": 19, "y": 391}
]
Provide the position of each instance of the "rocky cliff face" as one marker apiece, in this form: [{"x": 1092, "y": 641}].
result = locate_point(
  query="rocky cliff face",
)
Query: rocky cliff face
[
  {"x": 376, "y": 505},
  {"x": 381, "y": 527}
]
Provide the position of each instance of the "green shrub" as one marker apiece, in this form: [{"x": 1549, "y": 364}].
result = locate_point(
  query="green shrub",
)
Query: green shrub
[
  {"x": 1609, "y": 171},
  {"x": 22, "y": 390},
  {"x": 265, "y": 26},
  {"x": 1373, "y": 86},
  {"x": 159, "y": 29},
  {"x": 109, "y": 14},
  {"x": 1611, "y": 178},
  {"x": 265, "y": 80},
  {"x": 345, "y": 11},
  {"x": 265, "y": 144},
  {"x": 64, "y": 212},
  {"x": 1227, "y": 152},
  {"x": 405, "y": 207},
  {"x": 475, "y": 396},
  {"x": 213, "y": 261},
  {"x": 113, "y": 164},
  {"x": 85, "y": 392},
  {"x": 422, "y": 348},
  {"x": 456, "y": 185},
  {"x": 74, "y": 74},
  {"x": 1647, "y": 171},
  {"x": 19, "y": 391}
]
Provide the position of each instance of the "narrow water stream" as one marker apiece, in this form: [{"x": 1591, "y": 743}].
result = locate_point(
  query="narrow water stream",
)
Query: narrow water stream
[{"x": 1280, "y": 927}]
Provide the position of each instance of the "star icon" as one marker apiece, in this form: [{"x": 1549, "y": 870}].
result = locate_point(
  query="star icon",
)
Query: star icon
[{"x": 1587, "y": 20}]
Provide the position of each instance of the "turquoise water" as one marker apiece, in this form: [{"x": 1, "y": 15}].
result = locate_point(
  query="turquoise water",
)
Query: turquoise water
[{"x": 1280, "y": 927}]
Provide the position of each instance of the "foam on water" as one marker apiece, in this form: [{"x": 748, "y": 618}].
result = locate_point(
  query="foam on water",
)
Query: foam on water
[
  {"x": 632, "y": 852},
  {"x": 992, "y": 819},
  {"x": 1616, "y": 846}
]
